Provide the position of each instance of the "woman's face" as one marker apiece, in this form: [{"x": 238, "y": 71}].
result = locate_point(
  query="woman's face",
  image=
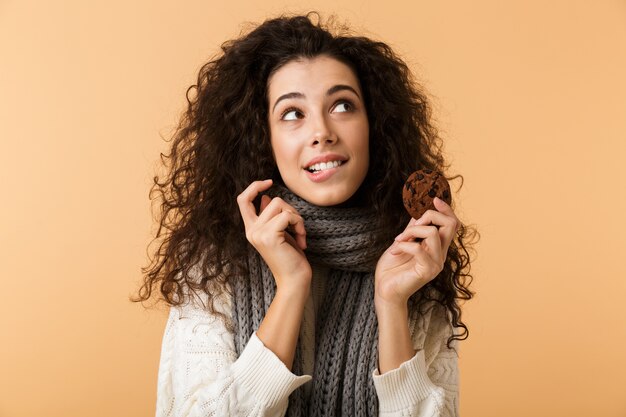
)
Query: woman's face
[{"x": 317, "y": 114}]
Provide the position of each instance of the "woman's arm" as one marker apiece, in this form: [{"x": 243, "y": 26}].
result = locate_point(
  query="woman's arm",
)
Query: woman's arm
[
  {"x": 426, "y": 382},
  {"x": 394, "y": 339},
  {"x": 280, "y": 327},
  {"x": 200, "y": 373},
  {"x": 410, "y": 381},
  {"x": 284, "y": 255}
]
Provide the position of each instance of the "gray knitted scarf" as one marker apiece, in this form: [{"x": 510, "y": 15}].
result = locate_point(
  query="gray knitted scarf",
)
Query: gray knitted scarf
[{"x": 346, "y": 334}]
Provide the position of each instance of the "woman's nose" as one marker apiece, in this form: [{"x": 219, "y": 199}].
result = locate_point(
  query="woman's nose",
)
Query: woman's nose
[{"x": 323, "y": 133}]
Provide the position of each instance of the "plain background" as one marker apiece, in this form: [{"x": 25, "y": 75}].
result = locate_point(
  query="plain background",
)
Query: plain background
[{"x": 530, "y": 97}]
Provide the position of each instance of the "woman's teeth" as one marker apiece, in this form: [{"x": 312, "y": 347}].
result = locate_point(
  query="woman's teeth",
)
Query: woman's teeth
[{"x": 324, "y": 165}]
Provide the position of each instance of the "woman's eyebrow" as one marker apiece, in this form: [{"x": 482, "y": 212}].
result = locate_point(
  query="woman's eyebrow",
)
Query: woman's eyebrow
[{"x": 331, "y": 90}]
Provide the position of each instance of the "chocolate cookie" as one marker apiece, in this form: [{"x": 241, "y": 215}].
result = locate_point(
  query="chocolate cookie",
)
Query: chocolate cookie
[{"x": 421, "y": 188}]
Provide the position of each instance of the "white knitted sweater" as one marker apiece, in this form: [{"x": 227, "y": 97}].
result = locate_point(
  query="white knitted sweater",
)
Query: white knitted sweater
[{"x": 201, "y": 375}]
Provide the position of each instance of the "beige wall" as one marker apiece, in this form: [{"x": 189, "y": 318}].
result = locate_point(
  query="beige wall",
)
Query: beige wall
[{"x": 530, "y": 96}]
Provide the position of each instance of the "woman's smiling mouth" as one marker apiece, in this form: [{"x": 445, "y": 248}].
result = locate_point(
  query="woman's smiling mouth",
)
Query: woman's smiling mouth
[
  {"x": 324, "y": 166},
  {"x": 321, "y": 172}
]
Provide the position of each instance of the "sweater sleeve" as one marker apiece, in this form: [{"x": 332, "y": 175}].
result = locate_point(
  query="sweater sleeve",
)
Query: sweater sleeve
[
  {"x": 201, "y": 375},
  {"x": 427, "y": 384}
]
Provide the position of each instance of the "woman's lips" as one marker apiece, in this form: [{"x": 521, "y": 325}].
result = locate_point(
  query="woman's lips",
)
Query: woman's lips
[{"x": 321, "y": 176}]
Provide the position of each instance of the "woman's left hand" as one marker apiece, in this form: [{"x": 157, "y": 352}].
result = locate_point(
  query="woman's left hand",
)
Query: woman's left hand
[{"x": 406, "y": 266}]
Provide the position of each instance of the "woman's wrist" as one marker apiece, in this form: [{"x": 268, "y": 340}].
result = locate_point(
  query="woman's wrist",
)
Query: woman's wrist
[
  {"x": 280, "y": 327},
  {"x": 387, "y": 306},
  {"x": 296, "y": 292},
  {"x": 391, "y": 310},
  {"x": 394, "y": 342}
]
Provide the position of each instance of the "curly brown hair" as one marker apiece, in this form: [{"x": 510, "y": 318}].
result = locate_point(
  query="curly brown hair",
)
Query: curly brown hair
[{"x": 222, "y": 144}]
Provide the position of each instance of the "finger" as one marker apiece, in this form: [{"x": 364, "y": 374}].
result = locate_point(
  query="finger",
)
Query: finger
[
  {"x": 273, "y": 207},
  {"x": 442, "y": 206},
  {"x": 247, "y": 196},
  {"x": 293, "y": 221},
  {"x": 448, "y": 225},
  {"x": 410, "y": 248},
  {"x": 439, "y": 218},
  {"x": 276, "y": 206},
  {"x": 431, "y": 239},
  {"x": 421, "y": 256},
  {"x": 410, "y": 223},
  {"x": 434, "y": 217},
  {"x": 409, "y": 233},
  {"x": 296, "y": 244}
]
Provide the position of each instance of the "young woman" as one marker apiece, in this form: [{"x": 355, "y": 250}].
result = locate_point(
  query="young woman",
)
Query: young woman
[{"x": 295, "y": 281}]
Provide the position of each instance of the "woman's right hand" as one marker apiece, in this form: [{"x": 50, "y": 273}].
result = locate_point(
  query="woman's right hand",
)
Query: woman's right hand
[{"x": 267, "y": 232}]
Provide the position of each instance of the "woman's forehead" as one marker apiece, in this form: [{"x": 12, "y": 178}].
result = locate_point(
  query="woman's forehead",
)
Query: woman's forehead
[{"x": 312, "y": 75}]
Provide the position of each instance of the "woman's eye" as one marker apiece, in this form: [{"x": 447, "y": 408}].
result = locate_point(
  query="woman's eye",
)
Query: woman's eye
[
  {"x": 288, "y": 111},
  {"x": 296, "y": 112},
  {"x": 343, "y": 102}
]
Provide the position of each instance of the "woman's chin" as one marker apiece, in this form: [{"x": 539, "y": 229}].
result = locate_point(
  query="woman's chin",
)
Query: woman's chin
[{"x": 340, "y": 199}]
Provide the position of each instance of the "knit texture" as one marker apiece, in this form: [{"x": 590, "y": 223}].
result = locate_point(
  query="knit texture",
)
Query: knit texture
[
  {"x": 346, "y": 332},
  {"x": 201, "y": 375}
]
